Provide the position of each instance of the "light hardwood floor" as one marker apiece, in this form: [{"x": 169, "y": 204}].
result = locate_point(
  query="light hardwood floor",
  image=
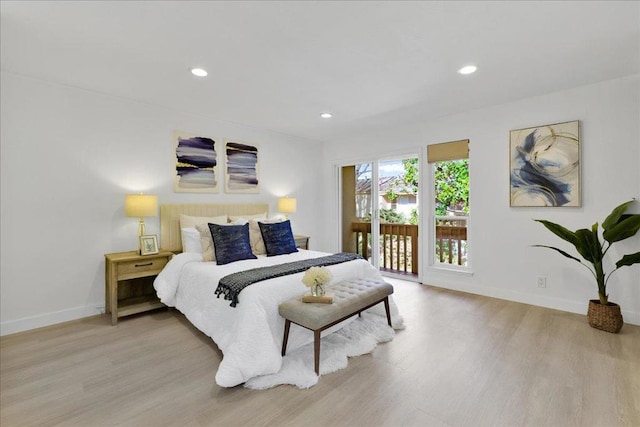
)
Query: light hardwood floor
[{"x": 463, "y": 360}]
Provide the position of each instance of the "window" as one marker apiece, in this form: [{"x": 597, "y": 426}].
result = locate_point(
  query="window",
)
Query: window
[{"x": 450, "y": 166}]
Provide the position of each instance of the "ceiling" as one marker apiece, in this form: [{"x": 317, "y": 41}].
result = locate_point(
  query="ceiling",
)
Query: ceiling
[{"x": 278, "y": 65}]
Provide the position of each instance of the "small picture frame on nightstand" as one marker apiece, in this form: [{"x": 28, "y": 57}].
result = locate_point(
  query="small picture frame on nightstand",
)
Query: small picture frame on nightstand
[{"x": 149, "y": 244}]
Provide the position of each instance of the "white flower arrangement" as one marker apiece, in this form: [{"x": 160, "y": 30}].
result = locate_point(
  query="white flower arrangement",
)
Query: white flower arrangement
[{"x": 316, "y": 276}]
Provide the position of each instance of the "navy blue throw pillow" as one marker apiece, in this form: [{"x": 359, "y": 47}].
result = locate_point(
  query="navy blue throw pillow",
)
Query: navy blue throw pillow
[
  {"x": 278, "y": 238},
  {"x": 231, "y": 243}
]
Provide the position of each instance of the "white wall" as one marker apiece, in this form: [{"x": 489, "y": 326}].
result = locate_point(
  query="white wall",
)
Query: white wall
[
  {"x": 504, "y": 263},
  {"x": 69, "y": 156}
]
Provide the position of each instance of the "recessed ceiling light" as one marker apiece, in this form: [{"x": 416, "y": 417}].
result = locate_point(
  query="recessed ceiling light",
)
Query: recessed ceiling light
[
  {"x": 326, "y": 115},
  {"x": 200, "y": 72},
  {"x": 468, "y": 69}
]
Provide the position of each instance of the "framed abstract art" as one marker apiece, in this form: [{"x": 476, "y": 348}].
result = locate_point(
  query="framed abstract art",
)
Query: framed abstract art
[
  {"x": 242, "y": 167},
  {"x": 545, "y": 165},
  {"x": 196, "y": 164}
]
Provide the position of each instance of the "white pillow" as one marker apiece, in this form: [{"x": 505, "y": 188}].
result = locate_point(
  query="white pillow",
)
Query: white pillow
[
  {"x": 234, "y": 218},
  {"x": 191, "y": 239},
  {"x": 187, "y": 221},
  {"x": 255, "y": 235}
]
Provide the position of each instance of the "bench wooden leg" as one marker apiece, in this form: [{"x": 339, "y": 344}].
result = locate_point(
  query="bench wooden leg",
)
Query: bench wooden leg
[
  {"x": 316, "y": 351},
  {"x": 287, "y": 325},
  {"x": 386, "y": 308}
]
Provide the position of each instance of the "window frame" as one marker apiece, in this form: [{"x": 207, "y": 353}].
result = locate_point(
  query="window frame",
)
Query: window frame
[{"x": 433, "y": 263}]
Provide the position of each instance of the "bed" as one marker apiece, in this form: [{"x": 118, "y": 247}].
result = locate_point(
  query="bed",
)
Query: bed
[{"x": 249, "y": 334}]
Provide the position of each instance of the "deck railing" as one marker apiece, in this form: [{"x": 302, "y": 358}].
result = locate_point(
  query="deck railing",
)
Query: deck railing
[
  {"x": 400, "y": 243},
  {"x": 451, "y": 239}
]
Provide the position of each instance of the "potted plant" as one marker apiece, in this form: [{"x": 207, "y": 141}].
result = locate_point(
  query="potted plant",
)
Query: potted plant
[{"x": 618, "y": 226}]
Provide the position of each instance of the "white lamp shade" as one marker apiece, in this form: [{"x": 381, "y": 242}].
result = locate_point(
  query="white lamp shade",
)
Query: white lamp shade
[
  {"x": 287, "y": 205},
  {"x": 140, "y": 205}
]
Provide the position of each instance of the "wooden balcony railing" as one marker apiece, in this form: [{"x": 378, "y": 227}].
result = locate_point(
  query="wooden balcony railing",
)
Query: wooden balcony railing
[
  {"x": 451, "y": 238},
  {"x": 400, "y": 243}
]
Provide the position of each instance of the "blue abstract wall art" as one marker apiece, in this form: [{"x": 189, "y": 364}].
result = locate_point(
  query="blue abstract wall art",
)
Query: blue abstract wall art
[
  {"x": 545, "y": 165},
  {"x": 196, "y": 166},
  {"x": 242, "y": 168}
]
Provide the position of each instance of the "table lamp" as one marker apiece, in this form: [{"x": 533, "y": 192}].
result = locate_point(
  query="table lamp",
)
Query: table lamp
[
  {"x": 287, "y": 205},
  {"x": 140, "y": 206}
]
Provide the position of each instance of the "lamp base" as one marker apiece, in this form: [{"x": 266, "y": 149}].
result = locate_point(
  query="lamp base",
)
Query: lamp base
[{"x": 141, "y": 232}]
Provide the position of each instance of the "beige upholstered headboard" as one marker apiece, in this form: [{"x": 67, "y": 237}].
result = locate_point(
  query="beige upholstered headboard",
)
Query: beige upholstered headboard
[{"x": 170, "y": 218}]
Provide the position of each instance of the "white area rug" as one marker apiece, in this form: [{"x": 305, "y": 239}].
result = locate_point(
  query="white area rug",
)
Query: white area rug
[{"x": 357, "y": 338}]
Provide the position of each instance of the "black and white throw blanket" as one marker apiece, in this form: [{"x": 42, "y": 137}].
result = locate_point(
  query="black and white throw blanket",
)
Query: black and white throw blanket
[{"x": 231, "y": 285}]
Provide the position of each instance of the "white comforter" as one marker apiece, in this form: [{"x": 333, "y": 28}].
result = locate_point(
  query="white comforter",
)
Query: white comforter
[{"x": 249, "y": 335}]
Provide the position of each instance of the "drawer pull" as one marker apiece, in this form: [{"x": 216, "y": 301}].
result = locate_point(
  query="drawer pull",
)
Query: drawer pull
[{"x": 144, "y": 265}]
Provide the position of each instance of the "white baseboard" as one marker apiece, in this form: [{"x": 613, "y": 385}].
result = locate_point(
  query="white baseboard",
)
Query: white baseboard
[
  {"x": 48, "y": 319},
  {"x": 630, "y": 317}
]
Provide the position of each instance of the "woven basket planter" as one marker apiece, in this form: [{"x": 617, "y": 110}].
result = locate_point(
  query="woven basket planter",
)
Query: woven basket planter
[{"x": 604, "y": 317}]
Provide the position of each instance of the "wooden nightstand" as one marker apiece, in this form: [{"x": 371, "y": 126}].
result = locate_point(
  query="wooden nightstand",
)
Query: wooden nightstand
[
  {"x": 302, "y": 242},
  {"x": 129, "y": 282}
]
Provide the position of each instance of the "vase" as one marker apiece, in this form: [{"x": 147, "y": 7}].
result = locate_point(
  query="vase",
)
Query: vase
[
  {"x": 604, "y": 317},
  {"x": 317, "y": 290}
]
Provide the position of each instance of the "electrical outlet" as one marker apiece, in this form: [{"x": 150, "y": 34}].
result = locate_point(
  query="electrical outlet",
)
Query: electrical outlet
[
  {"x": 542, "y": 282},
  {"x": 101, "y": 309}
]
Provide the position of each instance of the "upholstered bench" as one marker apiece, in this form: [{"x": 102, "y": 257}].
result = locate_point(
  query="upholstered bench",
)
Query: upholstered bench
[{"x": 350, "y": 298}]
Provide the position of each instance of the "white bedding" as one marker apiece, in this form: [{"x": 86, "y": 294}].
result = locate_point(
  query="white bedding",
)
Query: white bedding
[{"x": 249, "y": 335}]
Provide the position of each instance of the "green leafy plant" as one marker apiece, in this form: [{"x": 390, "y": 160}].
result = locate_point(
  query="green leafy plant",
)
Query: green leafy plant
[
  {"x": 452, "y": 186},
  {"x": 388, "y": 216},
  {"x": 616, "y": 227}
]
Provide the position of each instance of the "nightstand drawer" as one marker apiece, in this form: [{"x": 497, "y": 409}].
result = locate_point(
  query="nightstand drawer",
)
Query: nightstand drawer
[{"x": 140, "y": 267}]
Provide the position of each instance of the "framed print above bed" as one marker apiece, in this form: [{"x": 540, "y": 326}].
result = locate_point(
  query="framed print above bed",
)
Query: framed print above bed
[
  {"x": 242, "y": 167},
  {"x": 545, "y": 165},
  {"x": 196, "y": 164}
]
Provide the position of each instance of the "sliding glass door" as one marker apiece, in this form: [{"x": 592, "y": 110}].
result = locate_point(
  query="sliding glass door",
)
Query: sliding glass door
[
  {"x": 398, "y": 213},
  {"x": 380, "y": 213},
  {"x": 359, "y": 212}
]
